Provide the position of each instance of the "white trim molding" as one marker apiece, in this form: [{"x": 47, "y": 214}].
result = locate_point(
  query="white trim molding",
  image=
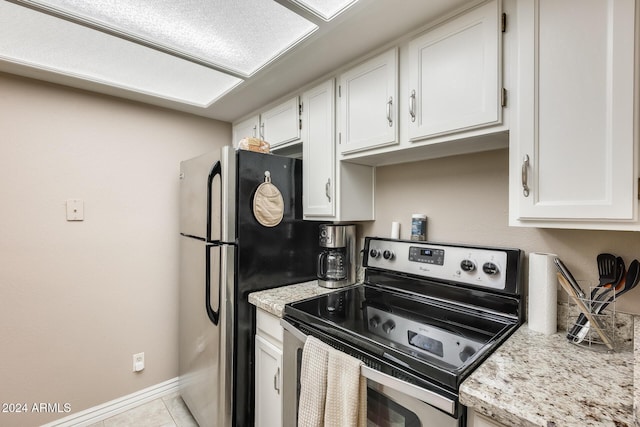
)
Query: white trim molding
[{"x": 117, "y": 406}]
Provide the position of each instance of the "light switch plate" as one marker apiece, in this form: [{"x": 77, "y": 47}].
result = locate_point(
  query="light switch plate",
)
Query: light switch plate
[{"x": 75, "y": 210}]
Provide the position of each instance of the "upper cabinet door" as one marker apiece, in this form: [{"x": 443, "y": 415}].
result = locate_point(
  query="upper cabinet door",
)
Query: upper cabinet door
[
  {"x": 455, "y": 74},
  {"x": 369, "y": 104},
  {"x": 318, "y": 151},
  {"x": 245, "y": 129},
  {"x": 281, "y": 124},
  {"x": 573, "y": 148}
]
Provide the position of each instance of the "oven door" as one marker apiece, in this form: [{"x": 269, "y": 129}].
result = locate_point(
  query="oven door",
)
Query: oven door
[{"x": 390, "y": 402}]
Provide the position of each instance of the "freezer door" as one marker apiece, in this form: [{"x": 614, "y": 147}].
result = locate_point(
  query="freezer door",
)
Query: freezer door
[
  {"x": 205, "y": 341},
  {"x": 280, "y": 255},
  {"x": 207, "y": 196}
]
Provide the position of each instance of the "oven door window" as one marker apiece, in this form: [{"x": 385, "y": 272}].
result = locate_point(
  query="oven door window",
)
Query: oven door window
[{"x": 384, "y": 412}]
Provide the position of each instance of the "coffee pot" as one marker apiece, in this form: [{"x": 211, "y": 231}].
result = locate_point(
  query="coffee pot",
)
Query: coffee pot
[{"x": 336, "y": 261}]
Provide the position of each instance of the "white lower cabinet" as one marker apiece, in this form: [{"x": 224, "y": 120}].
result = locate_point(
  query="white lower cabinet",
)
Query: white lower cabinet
[
  {"x": 573, "y": 150},
  {"x": 474, "y": 419},
  {"x": 268, "y": 370}
]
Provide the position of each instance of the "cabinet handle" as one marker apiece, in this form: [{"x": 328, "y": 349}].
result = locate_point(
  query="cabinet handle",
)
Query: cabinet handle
[
  {"x": 276, "y": 381},
  {"x": 255, "y": 128},
  {"x": 525, "y": 167},
  {"x": 412, "y": 105},
  {"x": 389, "y": 104},
  {"x": 262, "y": 131},
  {"x": 327, "y": 189}
]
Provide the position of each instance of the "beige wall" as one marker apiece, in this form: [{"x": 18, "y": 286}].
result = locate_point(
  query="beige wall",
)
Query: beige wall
[
  {"x": 466, "y": 201},
  {"x": 77, "y": 299}
]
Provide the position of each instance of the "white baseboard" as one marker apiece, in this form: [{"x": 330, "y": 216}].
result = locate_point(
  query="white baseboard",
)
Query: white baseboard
[{"x": 116, "y": 406}]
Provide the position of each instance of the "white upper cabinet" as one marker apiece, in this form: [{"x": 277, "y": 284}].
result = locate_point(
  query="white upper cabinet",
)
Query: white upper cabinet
[
  {"x": 573, "y": 153},
  {"x": 455, "y": 74},
  {"x": 333, "y": 190},
  {"x": 278, "y": 125},
  {"x": 368, "y": 98},
  {"x": 318, "y": 150},
  {"x": 246, "y": 129},
  {"x": 281, "y": 124}
]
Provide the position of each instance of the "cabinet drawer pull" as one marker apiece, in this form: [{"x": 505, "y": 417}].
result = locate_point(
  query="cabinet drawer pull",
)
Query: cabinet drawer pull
[
  {"x": 262, "y": 131},
  {"x": 255, "y": 128},
  {"x": 525, "y": 167},
  {"x": 327, "y": 189},
  {"x": 412, "y": 105},
  {"x": 389, "y": 104},
  {"x": 276, "y": 381}
]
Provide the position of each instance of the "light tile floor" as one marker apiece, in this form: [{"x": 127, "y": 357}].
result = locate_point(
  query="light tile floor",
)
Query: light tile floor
[{"x": 168, "y": 411}]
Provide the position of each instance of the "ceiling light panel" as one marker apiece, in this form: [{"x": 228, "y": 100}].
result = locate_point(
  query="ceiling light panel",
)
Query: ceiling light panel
[
  {"x": 237, "y": 36},
  {"x": 326, "y": 9},
  {"x": 46, "y": 43}
]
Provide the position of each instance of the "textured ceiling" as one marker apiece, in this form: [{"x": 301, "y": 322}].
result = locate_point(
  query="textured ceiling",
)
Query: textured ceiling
[{"x": 323, "y": 47}]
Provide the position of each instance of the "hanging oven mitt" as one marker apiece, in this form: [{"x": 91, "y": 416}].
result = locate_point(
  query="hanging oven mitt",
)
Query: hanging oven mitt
[{"x": 268, "y": 205}]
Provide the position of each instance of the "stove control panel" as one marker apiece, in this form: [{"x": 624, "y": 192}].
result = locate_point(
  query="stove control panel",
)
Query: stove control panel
[
  {"x": 427, "y": 255},
  {"x": 475, "y": 266},
  {"x": 450, "y": 347}
]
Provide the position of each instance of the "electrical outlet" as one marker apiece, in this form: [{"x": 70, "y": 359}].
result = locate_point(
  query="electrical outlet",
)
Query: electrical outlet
[{"x": 138, "y": 362}]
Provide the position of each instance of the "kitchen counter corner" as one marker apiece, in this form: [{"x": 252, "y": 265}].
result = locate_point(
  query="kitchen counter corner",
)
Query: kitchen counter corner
[
  {"x": 273, "y": 300},
  {"x": 540, "y": 380}
]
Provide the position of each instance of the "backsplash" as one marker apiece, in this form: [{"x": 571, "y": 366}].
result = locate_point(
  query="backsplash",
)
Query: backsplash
[{"x": 466, "y": 200}]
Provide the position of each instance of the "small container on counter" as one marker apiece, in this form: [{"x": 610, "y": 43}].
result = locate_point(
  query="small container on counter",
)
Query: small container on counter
[
  {"x": 395, "y": 230},
  {"x": 418, "y": 227}
]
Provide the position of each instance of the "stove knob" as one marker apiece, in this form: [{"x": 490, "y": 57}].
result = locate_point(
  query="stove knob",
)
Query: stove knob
[
  {"x": 374, "y": 321},
  {"x": 490, "y": 268},
  {"x": 467, "y": 265},
  {"x": 388, "y": 255},
  {"x": 388, "y": 326},
  {"x": 374, "y": 253},
  {"x": 466, "y": 353}
]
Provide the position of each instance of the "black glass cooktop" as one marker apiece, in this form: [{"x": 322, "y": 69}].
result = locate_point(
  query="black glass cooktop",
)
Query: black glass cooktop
[{"x": 430, "y": 337}]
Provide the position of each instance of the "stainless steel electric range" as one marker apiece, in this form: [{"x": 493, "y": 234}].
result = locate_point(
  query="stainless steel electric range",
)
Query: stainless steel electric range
[{"x": 425, "y": 317}]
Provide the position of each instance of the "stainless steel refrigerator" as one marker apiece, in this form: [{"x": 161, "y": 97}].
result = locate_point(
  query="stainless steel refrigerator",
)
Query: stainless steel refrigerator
[{"x": 225, "y": 254}]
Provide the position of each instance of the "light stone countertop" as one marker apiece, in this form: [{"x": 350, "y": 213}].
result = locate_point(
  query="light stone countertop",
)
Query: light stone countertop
[
  {"x": 274, "y": 300},
  {"x": 532, "y": 379},
  {"x": 636, "y": 372},
  {"x": 542, "y": 380}
]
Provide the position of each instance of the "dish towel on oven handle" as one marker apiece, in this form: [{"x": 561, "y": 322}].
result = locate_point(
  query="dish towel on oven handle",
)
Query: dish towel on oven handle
[{"x": 332, "y": 391}]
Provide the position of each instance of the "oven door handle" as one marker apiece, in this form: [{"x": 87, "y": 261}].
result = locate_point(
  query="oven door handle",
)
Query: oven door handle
[{"x": 430, "y": 397}]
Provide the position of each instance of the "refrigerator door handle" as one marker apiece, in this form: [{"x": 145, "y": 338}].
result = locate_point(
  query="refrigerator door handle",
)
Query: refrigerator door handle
[
  {"x": 214, "y": 315},
  {"x": 216, "y": 170}
]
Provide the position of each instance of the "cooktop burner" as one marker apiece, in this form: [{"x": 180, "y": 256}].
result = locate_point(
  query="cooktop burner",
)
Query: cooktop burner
[
  {"x": 432, "y": 310},
  {"x": 433, "y": 339}
]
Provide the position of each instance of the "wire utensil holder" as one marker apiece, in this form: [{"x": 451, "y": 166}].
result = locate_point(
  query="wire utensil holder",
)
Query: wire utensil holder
[
  {"x": 581, "y": 332},
  {"x": 591, "y": 319}
]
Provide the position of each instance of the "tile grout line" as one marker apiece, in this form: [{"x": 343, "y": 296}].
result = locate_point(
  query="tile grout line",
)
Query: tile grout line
[{"x": 169, "y": 411}]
